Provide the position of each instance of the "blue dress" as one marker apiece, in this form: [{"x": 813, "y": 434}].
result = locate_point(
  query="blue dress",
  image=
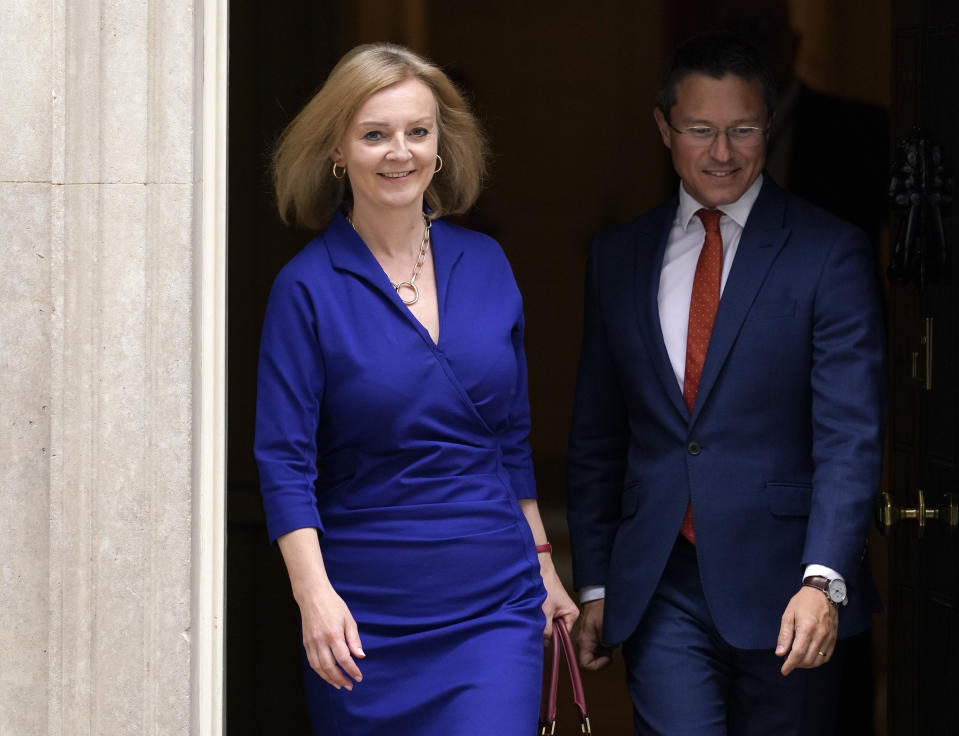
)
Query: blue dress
[{"x": 409, "y": 458}]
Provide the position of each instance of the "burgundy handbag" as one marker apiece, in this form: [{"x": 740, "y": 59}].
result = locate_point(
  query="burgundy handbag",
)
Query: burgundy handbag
[{"x": 547, "y": 710}]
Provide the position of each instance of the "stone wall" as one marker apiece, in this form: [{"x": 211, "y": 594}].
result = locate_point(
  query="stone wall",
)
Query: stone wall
[{"x": 99, "y": 236}]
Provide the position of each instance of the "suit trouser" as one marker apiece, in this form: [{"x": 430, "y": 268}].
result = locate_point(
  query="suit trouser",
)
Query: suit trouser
[{"x": 683, "y": 678}]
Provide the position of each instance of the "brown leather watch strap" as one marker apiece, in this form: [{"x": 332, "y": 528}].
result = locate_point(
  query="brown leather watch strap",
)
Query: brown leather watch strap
[
  {"x": 818, "y": 582},
  {"x": 821, "y": 584}
]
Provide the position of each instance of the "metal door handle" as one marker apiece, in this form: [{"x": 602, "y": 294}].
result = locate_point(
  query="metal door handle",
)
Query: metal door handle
[
  {"x": 922, "y": 358},
  {"x": 888, "y": 514}
]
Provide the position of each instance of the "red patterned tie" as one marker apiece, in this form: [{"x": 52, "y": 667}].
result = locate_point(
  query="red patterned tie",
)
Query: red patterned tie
[{"x": 702, "y": 313}]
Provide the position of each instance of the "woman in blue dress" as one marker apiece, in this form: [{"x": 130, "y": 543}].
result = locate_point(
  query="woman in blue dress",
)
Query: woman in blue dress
[{"x": 392, "y": 419}]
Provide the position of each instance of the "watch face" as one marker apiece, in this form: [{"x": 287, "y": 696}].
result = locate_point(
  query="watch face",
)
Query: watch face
[{"x": 837, "y": 591}]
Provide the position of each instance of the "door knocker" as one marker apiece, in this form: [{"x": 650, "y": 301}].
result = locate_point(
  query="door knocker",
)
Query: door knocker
[{"x": 920, "y": 192}]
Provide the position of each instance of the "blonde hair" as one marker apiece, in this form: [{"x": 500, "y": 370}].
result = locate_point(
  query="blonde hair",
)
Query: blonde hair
[{"x": 308, "y": 195}]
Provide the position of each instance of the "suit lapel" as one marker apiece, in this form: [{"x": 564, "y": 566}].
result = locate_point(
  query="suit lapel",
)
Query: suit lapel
[
  {"x": 762, "y": 239},
  {"x": 650, "y": 248}
]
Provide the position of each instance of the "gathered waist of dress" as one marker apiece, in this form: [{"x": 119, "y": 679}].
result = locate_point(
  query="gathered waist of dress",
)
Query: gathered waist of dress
[
  {"x": 426, "y": 521},
  {"x": 372, "y": 491},
  {"x": 415, "y": 458},
  {"x": 435, "y": 475}
]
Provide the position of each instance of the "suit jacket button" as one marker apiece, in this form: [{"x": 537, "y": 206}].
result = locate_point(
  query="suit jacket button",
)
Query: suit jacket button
[{"x": 693, "y": 448}]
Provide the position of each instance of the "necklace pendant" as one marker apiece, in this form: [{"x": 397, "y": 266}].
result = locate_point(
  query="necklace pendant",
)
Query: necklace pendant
[{"x": 410, "y": 287}]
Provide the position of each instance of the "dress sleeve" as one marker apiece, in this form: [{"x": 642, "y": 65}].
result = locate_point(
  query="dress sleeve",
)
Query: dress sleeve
[
  {"x": 290, "y": 383},
  {"x": 514, "y": 443}
]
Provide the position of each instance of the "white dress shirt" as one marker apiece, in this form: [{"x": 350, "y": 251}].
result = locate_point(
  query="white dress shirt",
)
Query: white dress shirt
[{"x": 683, "y": 246}]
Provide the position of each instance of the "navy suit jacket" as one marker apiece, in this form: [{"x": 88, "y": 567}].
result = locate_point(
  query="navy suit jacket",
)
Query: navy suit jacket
[{"x": 781, "y": 455}]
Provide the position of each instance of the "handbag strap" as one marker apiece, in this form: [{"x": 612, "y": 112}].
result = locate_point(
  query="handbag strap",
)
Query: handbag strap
[{"x": 562, "y": 646}]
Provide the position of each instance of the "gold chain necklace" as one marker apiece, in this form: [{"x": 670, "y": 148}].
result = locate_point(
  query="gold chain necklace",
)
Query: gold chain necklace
[{"x": 417, "y": 267}]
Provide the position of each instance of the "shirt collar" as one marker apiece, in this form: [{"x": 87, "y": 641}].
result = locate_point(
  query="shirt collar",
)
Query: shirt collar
[{"x": 737, "y": 211}]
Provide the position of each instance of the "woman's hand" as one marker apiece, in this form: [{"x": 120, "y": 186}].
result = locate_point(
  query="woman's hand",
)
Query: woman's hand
[
  {"x": 558, "y": 604},
  {"x": 330, "y": 637}
]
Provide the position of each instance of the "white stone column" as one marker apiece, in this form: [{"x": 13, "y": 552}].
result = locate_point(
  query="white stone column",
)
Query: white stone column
[{"x": 110, "y": 368}]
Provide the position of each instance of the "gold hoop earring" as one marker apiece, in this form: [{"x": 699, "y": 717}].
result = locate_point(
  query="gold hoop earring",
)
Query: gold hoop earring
[
  {"x": 334, "y": 171},
  {"x": 438, "y": 168}
]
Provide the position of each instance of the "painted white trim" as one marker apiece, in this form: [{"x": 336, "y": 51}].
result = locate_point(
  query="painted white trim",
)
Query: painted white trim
[{"x": 209, "y": 395}]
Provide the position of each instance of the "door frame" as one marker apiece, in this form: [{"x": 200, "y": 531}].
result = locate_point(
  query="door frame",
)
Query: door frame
[{"x": 209, "y": 360}]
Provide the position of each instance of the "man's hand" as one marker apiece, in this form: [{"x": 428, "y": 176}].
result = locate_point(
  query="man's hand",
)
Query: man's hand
[
  {"x": 809, "y": 631},
  {"x": 593, "y": 655}
]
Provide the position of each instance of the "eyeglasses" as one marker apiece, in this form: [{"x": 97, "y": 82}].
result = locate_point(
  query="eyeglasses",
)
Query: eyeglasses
[{"x": 741, "y": 135}]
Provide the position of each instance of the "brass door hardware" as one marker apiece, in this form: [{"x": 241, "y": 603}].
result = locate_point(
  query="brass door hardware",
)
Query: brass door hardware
[
  {"x": 922, "y": 358},
  {"x": 888, "y": 514}
]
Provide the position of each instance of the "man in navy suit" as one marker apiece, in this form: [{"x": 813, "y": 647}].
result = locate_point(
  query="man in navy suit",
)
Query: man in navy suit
[{"x": 727, "y": 434}]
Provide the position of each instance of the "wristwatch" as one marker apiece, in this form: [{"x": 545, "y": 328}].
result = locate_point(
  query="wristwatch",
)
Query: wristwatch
[{"x": 834, "y": 590}]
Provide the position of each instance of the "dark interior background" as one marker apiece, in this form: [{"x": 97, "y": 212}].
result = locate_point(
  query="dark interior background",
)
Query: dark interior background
[{"x": 565, "y": 92}]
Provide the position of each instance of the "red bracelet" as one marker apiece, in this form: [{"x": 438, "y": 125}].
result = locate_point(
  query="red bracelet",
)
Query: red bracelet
[{"x": 541, "y": 548}]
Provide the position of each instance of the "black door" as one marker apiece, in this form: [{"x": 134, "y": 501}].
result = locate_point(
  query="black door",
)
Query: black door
[{"x": 923, "y": 611}]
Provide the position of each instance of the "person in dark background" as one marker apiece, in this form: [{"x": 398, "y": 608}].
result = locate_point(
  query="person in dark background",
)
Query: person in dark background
[
  {"x": 727, "y": 433},
  {"x": 392, "y": 419},
  {"x": 827, "y": 149}
]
